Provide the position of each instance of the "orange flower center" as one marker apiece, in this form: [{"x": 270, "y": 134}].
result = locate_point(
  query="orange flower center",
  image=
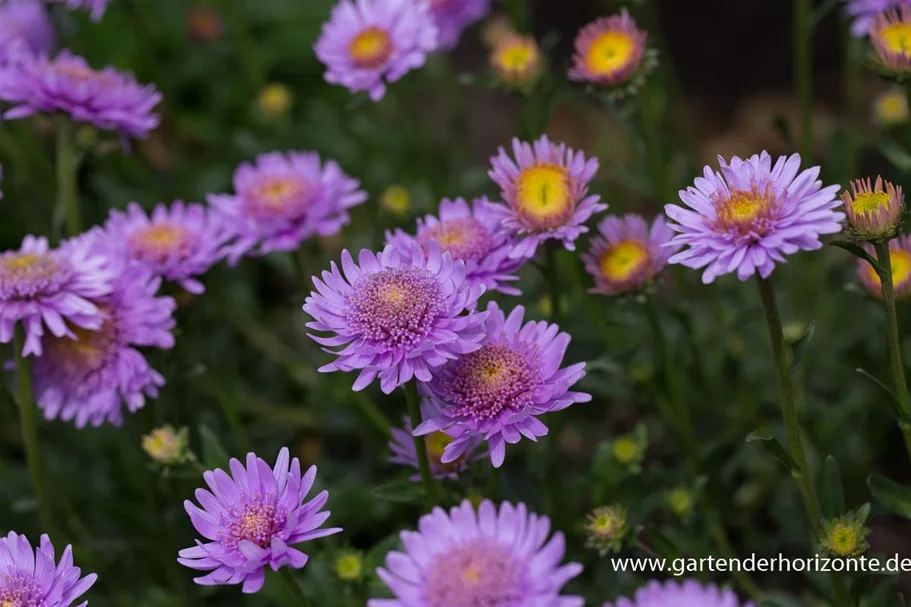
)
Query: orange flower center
[{"x": 371, "y": 48}]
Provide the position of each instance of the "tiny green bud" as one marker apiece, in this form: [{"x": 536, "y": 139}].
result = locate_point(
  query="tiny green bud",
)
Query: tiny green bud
[
  {"x": 349, "y": 566},
  {"x": 606, "y": 529},
  {"x": 681, "y": 502},
  {"x": 845, "y": 536}
]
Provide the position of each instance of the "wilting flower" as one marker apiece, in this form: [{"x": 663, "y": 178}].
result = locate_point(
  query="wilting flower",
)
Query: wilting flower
[
  {"x": 890, "y": 108},
  {"x": 609, "y": 52},
  {"x": 108, "y": 99},
  {"x": 516, "y": 61},
  {"x": 90, "y": 378},
  {"x": 30, "y": 576},
  {"x": 627, "y": 255},
  {"x": 168, "y": 446},
  {"x": 54, "y": 288},
  {"x": 751, "y": 214},
  {"x": 865, "y": 11},
  {"x": 97, "y": 7},
  {"x": 689, "y": 592},
  {"x": 900, "y": 260},
  {"x": 873, "y": 214},
  {"x": 367, "y": 43},
  {"x": 405, "y": 453},
  {"x": 498, "y": 391},
  {"x": 283, "y": 199},
  {"x": 606, "y": 529},
  {"x": 252, "y": 518},
  {"x": 176, "y": 243},
  {"x": 453, "y": 16},
  {"x": 890, "y": 36},
  {"x": 274, "y": 100},
  {"x": 398, "y": 315},
  {"x": 488, "y": 557},
  {"x": 471, "y": 234},
  {"x": 546, "y": 192},
  {"x": 24, "y": 22}
]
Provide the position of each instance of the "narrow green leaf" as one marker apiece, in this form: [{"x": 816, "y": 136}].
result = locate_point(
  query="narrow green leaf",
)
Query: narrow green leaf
[
  {"x": 213, "y": 453},
  {"x": 774, "y": 448},
  {"x": 858, "y": 251},
  {"x": 800, "y": 347},
  {"x": 858, "y": 588},
  {"x": 895, "y": 154},
  {"x": 893, "y": 497},
  {"x": 780, "y": 123},
  {"x": 662, "y": 543},
  {"x": 892, "y": 401},
  {"x": 831, "y": 491},
  {"x": 401, "y": 491}
]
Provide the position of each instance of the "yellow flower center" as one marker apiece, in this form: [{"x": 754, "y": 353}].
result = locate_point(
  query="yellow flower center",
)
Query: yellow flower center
[
  {"x": 349, "y": 567},
  {"x": 544, "y": 195},
  {"x": 609, "y": 53},
  {"x": 625, "y": 450},
  {"x": 396, "y": 199},
  {"x": 472, "y": 574},
  {"x": 515, "y": 58},
  {"x": 436, "y": 444},
  {"x": 870, "y": 202},
  {"x": 897, "y": 38},
  {"x": 743, "y": 211},
  {"x": 278, "y": 196},
  {"x": 892, "y": 107},
  {"x": 161, "y": 445},
  {"x": 392, "y": 295},
  {"x": 274, "y": 99},
  {"x": 843, "y": 539},
  {"x": 605, "y": 524},
  {"x": 624, "y": 259},
  {"x": 159, "y": 241},
  {"x": 371, "y": 48},
  {"x": 681, "y": 501}
]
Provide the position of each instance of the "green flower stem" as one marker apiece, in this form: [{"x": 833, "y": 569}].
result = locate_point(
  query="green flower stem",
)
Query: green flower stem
[
  {"x": 28, "y": 420},
  {"x": 896, "y": 362},
  {"x": 803, "y": 69},
  {"x": 551, "y": 275},
  {"x": 414, "y": 411},
  {"x": 67, "y": 168},
  {"x": 518, "y": 12},
  {"x": 300, "y": 599}
]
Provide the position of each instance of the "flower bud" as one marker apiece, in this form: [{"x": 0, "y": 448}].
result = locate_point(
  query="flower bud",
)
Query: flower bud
[
  {"x": 606, "y": 529},
  {"x": 516, "y": 61},
  {"x": 166, "y": 446},
  {"x": 846, "y": 535},
  {"x": 274, "y": 100},
  {"x": 349, "y": 566},
  {"x": 873, "y": 214},
  {"x": 396, "y": 199}
]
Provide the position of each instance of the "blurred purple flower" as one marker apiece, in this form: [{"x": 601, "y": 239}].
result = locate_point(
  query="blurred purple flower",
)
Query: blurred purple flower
[
  {"x": 464, "y": 558},
  {"x": 176, "y": 243},
  {"x": 54, "y": 288},
  {"x": 88, "y": 379},
  {"x": 689, "y": 593},
  {"x": 405, "y": 453},
  {"x": 498, "y": 391},
  {"x": 108, "y": 99},
  {"x": 609, "y": 51},
  {"x": 471, "y": 234},
  {"x": 751, "y": 214},
  {"x": 397, "y": 315},
  {"x": 253, "y": 518},
  {"x": 545, "y": 187},
  {"x": 627, "y": 255},
  {"x": 30, "y": 576},
  {"x": 865, "y": 11},
  {"x": 26, "y": 23},
  {"x": 452, "y": 17},
  {"x": 283, "y": 199},
  {"x": 367, "y": 43},
  {"x": 900, "y": 259},
  {"x": 97, "y": 7}
]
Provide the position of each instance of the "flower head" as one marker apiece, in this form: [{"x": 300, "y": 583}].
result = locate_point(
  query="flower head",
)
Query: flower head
[
  {"x": 405, "y": 453},
  {"x": 453, "y": 16},
  {"x": 53, "y": 288},
  {"x": 470, "y": 234},
  {"x": 498, "y": 391},
  {"x": 176, "y": 243},
  {"x": 680, "y": 501},
  {"x": 890, "y": 36},
  {"x": 846, "y": 536},
  {"x": 464, "y": 558},
  {"x": 367, "y": 43},
  {"x": 274, "y": 100},
  {"x": 628, "y": 450},
  {"x": 32, "y": 576},
  {"x": 495, "y": 28},
  {"x": 97, "y": 7},
  {"x": 627, "y": 254},
  {"x": 24, "y": 22},
  {"x": 606, "y": 529},
  {"x": 516, "y": 61},
  {"x": 751, "y": 214},
  {"x": 396, "y": 199},
  {"x": 108, "y": 99},
  {"x": 611, "y": 52},
  {"x": 204, "y": 23},
  {"x": 284, "y": 199},
  {"x": 890, "y": 108},
  {"x": 545, "y": 187},
  {"x": 90, "y": 377},
  {"x": 864, "y": 13},
  {"x": 687, "y": 593},
  {"x": 900, "y": 260},
  {"x": 398, "y": 315},
  {"x": 349, "y": 566},
  {"x": 168, "y": 446},
  {"x": 873, "y": 213},
  {"x": 252, "y": 518}
]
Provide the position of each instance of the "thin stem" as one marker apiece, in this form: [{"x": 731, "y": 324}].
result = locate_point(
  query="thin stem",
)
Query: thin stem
[
  {"x": 518, "y": 12},
  {"x": 300, "y": 599},
  {"x": 803, "y": 72},
  {"x": 373, "y": 414},
  {"x": 553, "y": 282},
  {"x": 67, "y": 167},
  {"x": 229, "y": 407},
  {"x": 28, "y": 420},
  {"x": 414, "y": 411}
]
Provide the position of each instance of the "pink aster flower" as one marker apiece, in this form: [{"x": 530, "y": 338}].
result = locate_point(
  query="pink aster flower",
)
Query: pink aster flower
[
  {"x": 900, "y": 258},
  {"x": 25, "y": 23},
  {"x": 471, "y": 234},
  {"x": 627, "y": 255},
  {"x": 252, "y": 518},
  {"x": 609, "y": 51},
  {"x": 453, "y": 16},
  {"x": 97, "y": 7},
  {"x": 54, "y": 288},
  {"x": 464, "y": 558},
  {"x": 33, "y": 576},
  {"x": 367, "y": 43},
  {"x": 751, "y": 214},
  {"x": 108, "y": 99},
  {"x": 283, "y": 199},
  {"x": 497, "y": 391},
  {"x": 690, "y": 593},
  {"x": 865, "y": 11},
  {"x": 90, "y": 378},
  {"x": 889, "y": 36},
  {"x": 176, "y": 243},
  {"x": 396, "y": 315},
  {"x": 545, "y": 187},
  {"x": 406, "y": 454}
]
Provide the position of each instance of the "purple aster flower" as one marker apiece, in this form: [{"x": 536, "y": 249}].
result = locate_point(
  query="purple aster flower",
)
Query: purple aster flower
[
  {"x": 865, "y": 11},
  {"x": 751, "y": 214},
  {"x": 283, "y": 199},
  {"x": 497, "y": 391},
  {"x": 367, "y": 43},
  {"x": 627, "y": 255},
  {"x": 88, "y": 379},
  {"x": 97, "y": 7},
  {"x": 453, "y": 16},
  {"x": 397, "y": 314},
  {"x": 900, "y": 258},
  {"x": 405, "y": 453},
  {"x": 465, "y": 558},
  {"x": 252, "y": 518},
  {"x": 471, "y": 234},
  {"x": 30, "y": 576},
  {"x": 888, "y": 37},
  {"x": 24, "y": 22},
  {"x": 690, "y": 593},
  {"x": 609, "y": 51},
  {"x": 176, "y": 244},
  {"x": 546, "y": 192},
  {"x": 108, "y": 99},
  {"x": 54, "y": 288}
]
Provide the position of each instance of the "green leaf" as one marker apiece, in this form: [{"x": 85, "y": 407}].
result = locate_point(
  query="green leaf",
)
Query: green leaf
[
  {"x": 858, "y": 588},
  {"x": 774, "y": 448},
  {"x": 892, "y": 401},
  {"x": 895, "y": 154},
  {"x": 662, "y": 544},
  {"x": 213, "y": 453},
  {"x": 402, "y": 492},
  {"x": 784, "y": 129},
  {"x": 800, "y": 347},
  {"x": 858, "y": 251},
  {"x": 893, "y": 497},
  {"x": 832, "y": 492},
  {"x": 778, "y": 600}
]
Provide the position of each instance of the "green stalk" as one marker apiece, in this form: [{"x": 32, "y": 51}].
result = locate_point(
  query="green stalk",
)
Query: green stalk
[
  {"x": 300, "y": 599},
  {"x": 414, "y": 411},
  {"x": 518, "y": 12},
  {"x": 803, "y": 71},
  {"x": 67, "y": 168},
  {"x": 553, "y": 281}
]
